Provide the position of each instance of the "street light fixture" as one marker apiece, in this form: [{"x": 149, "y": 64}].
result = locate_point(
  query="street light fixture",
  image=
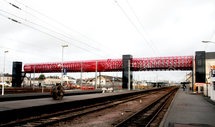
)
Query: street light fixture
[
  {"x": 62, "y": 65},
  {"x": 207, "y": 41},
  {"x": 3, "y": 73}
]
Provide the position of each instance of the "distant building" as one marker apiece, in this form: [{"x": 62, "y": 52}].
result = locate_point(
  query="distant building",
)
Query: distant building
[
  {"x": 102, "y": 81},
  {"x": 202, "y": 69},
  {"x": 29, "y": 81},
  {"x": 69, "y": 79},
  {"x": 49, "y": 80},
  {"x": 7, "y": 78},
  {"x": 52, "y": 80}
]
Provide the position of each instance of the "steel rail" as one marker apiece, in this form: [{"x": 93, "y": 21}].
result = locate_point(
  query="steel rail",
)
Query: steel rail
[
  {"x": 153, "y": 118},
  {"x": 143, "y": 109},
  {"x": 42, "y": 120}
]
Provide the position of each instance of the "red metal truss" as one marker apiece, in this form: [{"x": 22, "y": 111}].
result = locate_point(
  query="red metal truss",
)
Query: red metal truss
[
  {"x": 163, "y": 63},
  {"x": 139, "y": 64}
]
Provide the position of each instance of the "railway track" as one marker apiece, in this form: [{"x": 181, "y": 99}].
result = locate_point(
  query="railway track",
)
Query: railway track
[
  {"x": 147, "y": 115},
  {"x": 48, "y": 119},
  {"x": 52, "y": 118}
]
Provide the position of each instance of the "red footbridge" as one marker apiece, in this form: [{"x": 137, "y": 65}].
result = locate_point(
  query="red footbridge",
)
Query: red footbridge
[{"x": 113, "y": 65}]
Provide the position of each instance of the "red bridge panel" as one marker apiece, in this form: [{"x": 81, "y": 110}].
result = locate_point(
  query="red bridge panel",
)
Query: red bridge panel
[{"x": 139, "y": 64}]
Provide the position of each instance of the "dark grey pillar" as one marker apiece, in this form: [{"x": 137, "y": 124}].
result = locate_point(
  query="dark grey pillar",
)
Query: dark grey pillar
[
  {"x": 17, "y": 74},
  {"x": 200, "y": 67},
  {"x": 125, "y": 73}
]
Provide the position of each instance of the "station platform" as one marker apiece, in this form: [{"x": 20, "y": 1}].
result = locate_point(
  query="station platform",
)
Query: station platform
[
  {"x": 25, "y": 96},
  {"x": 189, "y": 110},
  {"x": 11, "y": 110}
]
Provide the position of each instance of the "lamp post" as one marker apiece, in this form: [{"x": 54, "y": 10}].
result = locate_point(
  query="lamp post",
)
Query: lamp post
[
  {"x": 62, "y": 65},
  {"x": 3, "y": 73}
]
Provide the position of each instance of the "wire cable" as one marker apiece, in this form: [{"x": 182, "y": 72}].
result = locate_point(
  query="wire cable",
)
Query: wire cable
[
  {"x": 210, "y": 39},
  {"x": 35, "y": 45},
  {"x": 67, "y": 28},
  {"x": 136, "y": 27},
  {"x": 145, "y": 31},
  {"x": 142, "y": 26},
  {"x": 47, "y": 33},
  {"x": 27, "y": 52}
]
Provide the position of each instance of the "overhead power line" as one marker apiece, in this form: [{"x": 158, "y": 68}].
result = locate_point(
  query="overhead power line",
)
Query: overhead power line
[
  {"x": 210, "y": 39},
  {"x": 135, "y": 27},
  {"x": 145, "y": 32},
  {"x": 50, "y": 49},
  {"x": 26, "y": 52},
  {"x": 14, "y": 20},
  {"x": 138, "y": 29},
  {"x": 15, "y": 6},
  {"x": 48, "y": 33},
  {"x": 143, "y": 27},
  {"x": 66, "y": 27}
]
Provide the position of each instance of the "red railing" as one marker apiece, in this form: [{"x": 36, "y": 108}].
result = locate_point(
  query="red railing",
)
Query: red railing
[{"x": 139, "y": 64}]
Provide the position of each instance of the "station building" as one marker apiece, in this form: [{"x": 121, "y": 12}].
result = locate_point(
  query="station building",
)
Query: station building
[
  {"x": 204, "y": 80},
  {"x": 7, "y": 78}
]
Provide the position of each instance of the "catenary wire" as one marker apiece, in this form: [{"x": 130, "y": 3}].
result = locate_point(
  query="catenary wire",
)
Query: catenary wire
[
  {"x": 138, "y": 29},
  {"x": 143, "y": 27},
  {"x": 47, "y": 33},
  {"x": 68, "y": 28},
  {"x": 135, "y": 27},
  {"x": 210, "y": 39},
  {"x": 59, "y": 34},
  {"x": 34, "y": 45},
  {"x": 26, "y": 51}
]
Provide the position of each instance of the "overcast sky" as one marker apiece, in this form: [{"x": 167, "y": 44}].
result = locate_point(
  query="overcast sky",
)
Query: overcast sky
[{"x": 105, "y": 29}]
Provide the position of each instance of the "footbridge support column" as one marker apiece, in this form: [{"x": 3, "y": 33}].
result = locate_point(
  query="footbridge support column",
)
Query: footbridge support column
[{"x": 126, "y": 75}]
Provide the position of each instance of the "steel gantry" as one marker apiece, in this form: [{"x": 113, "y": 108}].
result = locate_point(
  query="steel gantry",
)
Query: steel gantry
[{"x": 111, "y": 65}]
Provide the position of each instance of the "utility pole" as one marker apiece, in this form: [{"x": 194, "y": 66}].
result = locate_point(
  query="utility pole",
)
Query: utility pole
[
  {"x": 113, "y": 81},
  {"x": 34, "y": 77},
  {"x": 134, "y": 82},
  {"x": 62, "y": 64},
  {"x": 30, "y": 79},
  {"x": 3, "y": 73},
  {"x": 100, "y": 79},
  {"x": 105, "y": 82},
  {"x": 129, "y": 75},
  {"x": 96, "y": 76},
  {"x": 157, "y": 81},
  {"x": 81, "y": 74},
  {"x": 117, "y": 82},
  {"x": 138, "y": 81}
]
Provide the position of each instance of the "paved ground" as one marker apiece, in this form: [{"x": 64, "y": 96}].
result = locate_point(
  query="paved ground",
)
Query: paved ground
[{"x": 190, "y": 111}]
